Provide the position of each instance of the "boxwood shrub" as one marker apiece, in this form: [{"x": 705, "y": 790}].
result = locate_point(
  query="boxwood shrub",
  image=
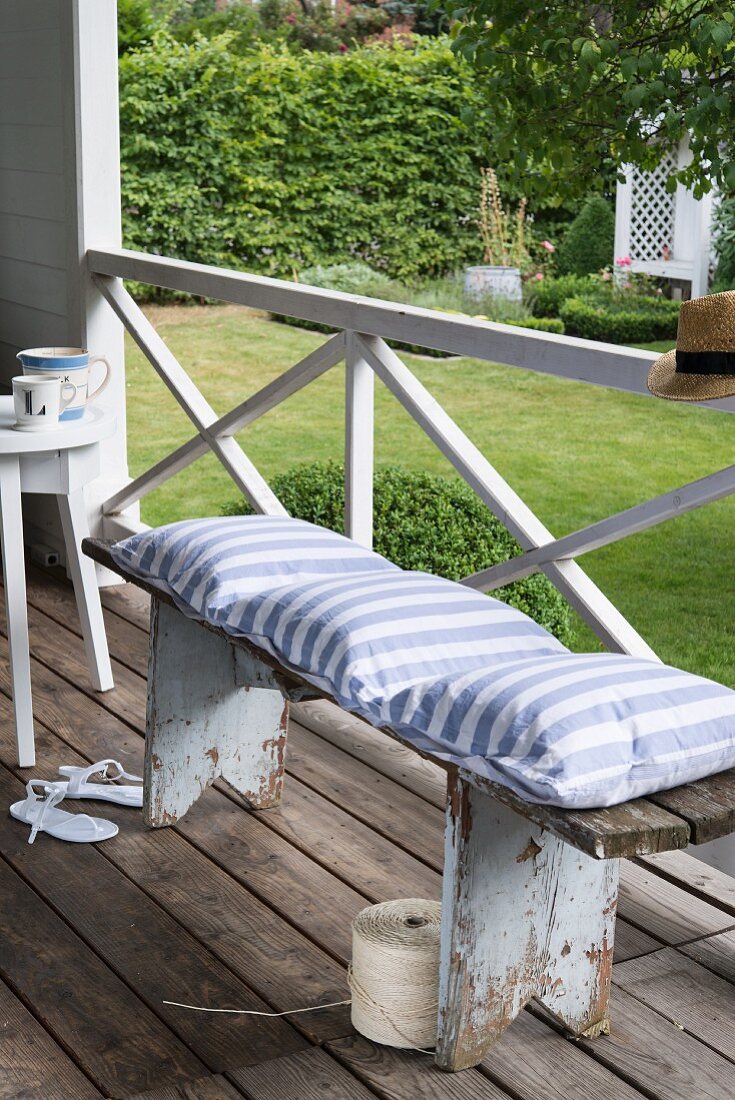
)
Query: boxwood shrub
[
  {"x": 637, "y": 320},
  {"x": 424, "y": 522},
  {"x": 548, "y": 296}
]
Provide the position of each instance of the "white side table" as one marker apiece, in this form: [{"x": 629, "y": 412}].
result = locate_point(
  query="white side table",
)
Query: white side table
[{"x": 59, "y": 461}]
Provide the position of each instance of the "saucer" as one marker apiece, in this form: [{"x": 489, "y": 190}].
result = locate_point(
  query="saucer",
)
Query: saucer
[{"x": 32, "y": 427}]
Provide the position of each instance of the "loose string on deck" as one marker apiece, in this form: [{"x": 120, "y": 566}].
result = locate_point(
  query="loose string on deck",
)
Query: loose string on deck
[{"x": 393, "y": 976}]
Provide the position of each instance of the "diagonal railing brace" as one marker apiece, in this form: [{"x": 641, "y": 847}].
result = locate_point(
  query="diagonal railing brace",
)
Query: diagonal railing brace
[
  {"x": 242, "y": 471},
  {"x": 583, "y": 594},
  {"x": 606, "y": 531}
]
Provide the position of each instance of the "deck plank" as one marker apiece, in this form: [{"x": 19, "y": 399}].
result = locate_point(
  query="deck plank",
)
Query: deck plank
[
  {"x": 32, "y": 1065},
  {"x": 410, "y": 1075},
  {"x": 694, "y": 876},
  {"x": 663, "y": 1061},
  {"x": 396, "y": 813},
  {"x": 686, "y": 994},
  {"x": 140, "y": 942},
  {"x": 631, "y": 942},
  {"x": 51, "y": 596},
  {"x": 521, "y": 1061},
  {"x": 663, "y": 910},
  {"x": 127, "y": 601},
  {"x": 364, "y": 742},
  {"x": 120, "y": 1044},
  {"x": 205, "y": 1088},
  {"x": 311, "y": 1075},
  {"x": 717, "y": 953},
  {"x": 349, "y": 848}
]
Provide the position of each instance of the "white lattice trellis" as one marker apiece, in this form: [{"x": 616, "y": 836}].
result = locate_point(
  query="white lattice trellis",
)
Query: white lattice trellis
[
  {"x": 652, "y": 213},
  {"x": 665, "y": 233}
]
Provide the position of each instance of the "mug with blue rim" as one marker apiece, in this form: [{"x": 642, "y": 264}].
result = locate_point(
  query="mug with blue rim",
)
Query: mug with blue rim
[{"x": 71, "y": 365}]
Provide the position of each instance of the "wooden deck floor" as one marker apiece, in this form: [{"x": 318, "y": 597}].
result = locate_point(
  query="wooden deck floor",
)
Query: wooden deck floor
[{"x": 234, "y": 909}]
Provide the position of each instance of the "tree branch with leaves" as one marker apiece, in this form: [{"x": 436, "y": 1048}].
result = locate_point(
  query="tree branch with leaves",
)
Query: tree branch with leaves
[{"x": 579, "y": 88}]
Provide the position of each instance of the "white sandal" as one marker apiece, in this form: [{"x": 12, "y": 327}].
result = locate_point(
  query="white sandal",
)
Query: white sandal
[
  {"x": 107, "y": 789},
  {"x": 41, "y": 814}
]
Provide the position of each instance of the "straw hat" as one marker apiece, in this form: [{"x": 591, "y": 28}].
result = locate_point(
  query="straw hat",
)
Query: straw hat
[{"x": 702, "y": 366}]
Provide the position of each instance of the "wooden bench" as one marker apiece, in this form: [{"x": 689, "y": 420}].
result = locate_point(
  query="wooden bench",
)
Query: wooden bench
[{"x": 530, "y": 892}]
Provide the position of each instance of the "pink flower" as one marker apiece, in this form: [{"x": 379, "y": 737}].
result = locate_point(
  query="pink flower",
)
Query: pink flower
[
  {"x": 548, "y": 246},
  {"x": 623, "y": 261},
  {"x": 539, "y": 275},
  {"x": 606, "y": 276},
  {"x": 290, "y": 19}
]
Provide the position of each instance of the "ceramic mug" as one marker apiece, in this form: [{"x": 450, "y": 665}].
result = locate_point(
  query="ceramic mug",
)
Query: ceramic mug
[
  {"x": 39, "y": 402},
  {"x": 72, "y": 366}
]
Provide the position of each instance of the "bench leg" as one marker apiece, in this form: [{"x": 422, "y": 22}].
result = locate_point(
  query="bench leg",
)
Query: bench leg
[
  {"x": 524, "y": 916},
  {"x": 204, "y": 720}
]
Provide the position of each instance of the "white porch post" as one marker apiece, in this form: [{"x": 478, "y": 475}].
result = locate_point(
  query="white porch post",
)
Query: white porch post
[
  {"x": 91, "y": 123},
  {"x": 59, "y": 197}
]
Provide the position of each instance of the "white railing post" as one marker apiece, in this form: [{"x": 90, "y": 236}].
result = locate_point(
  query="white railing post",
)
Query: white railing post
[{"x": 359, "y": 444}]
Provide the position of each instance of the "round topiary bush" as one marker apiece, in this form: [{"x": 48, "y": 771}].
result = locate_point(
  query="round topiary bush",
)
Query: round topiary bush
[
  {"x": 590, "y": 240},
  {"x": 423, "y": 522}
]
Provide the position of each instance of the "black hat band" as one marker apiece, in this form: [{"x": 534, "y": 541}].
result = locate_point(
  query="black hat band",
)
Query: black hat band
[{"x": 705, "y": 362}]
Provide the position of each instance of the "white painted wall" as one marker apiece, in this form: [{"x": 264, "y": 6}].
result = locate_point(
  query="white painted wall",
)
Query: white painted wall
[{"x": 59, "y": 196}]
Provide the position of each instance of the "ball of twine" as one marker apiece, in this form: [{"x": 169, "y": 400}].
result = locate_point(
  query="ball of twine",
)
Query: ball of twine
[{"x": 394, "y": 975}]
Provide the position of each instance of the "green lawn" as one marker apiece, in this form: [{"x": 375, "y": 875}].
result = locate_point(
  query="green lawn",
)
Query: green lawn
[{"x": 575, "y": 453}]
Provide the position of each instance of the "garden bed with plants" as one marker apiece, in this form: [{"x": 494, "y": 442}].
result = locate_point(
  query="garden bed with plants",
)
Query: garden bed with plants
[{"x": 610, "y": 304}]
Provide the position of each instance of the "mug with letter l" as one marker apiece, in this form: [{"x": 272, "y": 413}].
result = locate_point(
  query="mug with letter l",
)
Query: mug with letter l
[{"x": 73, "y": 367}]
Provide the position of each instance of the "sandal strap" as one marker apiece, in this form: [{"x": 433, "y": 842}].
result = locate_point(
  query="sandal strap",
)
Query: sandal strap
[
  {"x": 54, "y": 794},
  {"x": 77, "y": 776}
]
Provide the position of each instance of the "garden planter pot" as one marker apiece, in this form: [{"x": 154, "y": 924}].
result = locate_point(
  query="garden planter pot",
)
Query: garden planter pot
[{"x": 503, "y": 282}]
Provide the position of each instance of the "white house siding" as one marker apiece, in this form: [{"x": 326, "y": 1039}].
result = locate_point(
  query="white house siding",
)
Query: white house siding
[{"x": 59, "y": 195}]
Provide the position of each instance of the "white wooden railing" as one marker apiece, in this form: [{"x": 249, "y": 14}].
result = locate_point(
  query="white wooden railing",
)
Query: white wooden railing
[{"x": 364, "y": 326}]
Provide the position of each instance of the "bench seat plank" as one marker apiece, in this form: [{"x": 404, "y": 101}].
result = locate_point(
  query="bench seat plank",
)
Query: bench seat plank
[
  {"x": 708, "y": 806},
  {"x": 639, "y": 827},
  {"x": 630, "y": 829}
]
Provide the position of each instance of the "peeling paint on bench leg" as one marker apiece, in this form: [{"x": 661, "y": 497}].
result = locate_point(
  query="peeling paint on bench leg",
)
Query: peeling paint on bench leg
[
  {"x": 524, "y": 917},
  {"x": 204, "y": 722}
]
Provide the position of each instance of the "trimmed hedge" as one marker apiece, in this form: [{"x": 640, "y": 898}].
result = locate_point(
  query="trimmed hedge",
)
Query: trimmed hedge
[
  {"x": 635, "y": 322},
  {"x": 423, "y": 522},
  {"x": 249, "y": 160},
  {"x": 541, "y": 324}
]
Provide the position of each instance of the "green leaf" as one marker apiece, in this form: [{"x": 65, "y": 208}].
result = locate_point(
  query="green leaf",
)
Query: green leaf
[
  {"x": 629, "y": 66},
  {"x": 721, "y": 34}
]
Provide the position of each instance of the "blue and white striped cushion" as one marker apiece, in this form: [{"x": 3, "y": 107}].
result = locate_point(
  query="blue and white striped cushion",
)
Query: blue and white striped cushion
[
  {"x": 457, "y": 673},
  {"x": 581, "y": 730},
  {"x": 205, "y": 562}
]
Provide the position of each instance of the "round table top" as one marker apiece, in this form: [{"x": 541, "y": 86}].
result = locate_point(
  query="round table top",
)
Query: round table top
[{"x": 94, "y": 426}]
